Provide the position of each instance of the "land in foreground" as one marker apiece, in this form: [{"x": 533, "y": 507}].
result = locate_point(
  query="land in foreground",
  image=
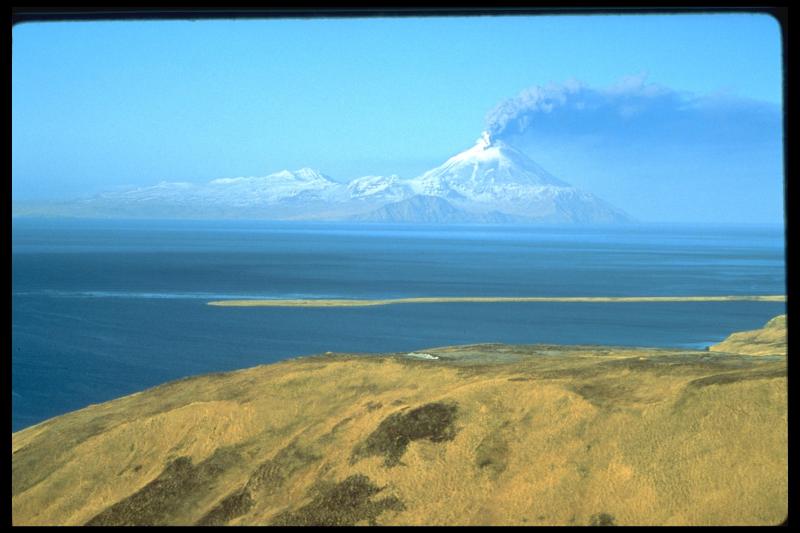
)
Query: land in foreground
[{"x": 468, "y": 435}]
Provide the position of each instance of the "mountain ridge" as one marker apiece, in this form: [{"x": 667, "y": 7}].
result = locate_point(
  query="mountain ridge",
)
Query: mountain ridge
[{"x": 489, "y": 182}]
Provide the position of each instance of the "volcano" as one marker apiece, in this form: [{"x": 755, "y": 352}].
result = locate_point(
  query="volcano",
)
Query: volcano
[{"x": 491, "y": 182}]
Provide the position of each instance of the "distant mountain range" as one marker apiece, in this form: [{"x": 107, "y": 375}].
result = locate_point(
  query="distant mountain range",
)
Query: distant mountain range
[{"x": 492, "y": 182}]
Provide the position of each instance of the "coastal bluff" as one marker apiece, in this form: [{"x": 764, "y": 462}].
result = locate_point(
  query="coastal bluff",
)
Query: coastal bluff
[
  {"x": 485, "y": 434},
  {"x": 769, "y": 340}
]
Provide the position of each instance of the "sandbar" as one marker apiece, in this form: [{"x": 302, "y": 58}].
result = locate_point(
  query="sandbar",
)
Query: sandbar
[{"x": 490, "y": 299}]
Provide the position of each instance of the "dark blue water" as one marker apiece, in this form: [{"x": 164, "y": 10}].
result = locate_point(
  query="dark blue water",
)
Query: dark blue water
[{"x": 107, "y": 308}]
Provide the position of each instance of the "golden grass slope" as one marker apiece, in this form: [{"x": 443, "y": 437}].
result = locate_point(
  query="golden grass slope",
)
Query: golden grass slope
[
  {"x": 769, "y": 340},
  {"x": 485, "y": 434}
]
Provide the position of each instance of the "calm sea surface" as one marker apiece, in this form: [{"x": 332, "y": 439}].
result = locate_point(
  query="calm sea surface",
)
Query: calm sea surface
[{"x": 102, "y": 309}]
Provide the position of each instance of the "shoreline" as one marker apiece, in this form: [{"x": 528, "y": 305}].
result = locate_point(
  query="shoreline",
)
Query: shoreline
[{"x": 489, "y": 299}]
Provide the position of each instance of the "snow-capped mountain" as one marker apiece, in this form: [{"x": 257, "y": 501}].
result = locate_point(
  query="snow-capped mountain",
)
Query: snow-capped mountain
[
  {"x": 493, "y": 176},
  {"x": 304, "y": 184},
  {"x": 379, "y": 188},
  {"x": 490, "y": 182},
  {"x": 486, "y": 172}
]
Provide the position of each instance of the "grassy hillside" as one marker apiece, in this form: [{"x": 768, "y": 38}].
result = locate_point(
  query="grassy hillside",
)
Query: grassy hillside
[
  {"x": 484, "y": 434},
  {"x": 769, "y": 340}
]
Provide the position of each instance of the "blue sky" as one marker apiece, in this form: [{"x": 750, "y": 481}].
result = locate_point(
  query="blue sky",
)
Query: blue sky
[{"x": 102, "y": 105}]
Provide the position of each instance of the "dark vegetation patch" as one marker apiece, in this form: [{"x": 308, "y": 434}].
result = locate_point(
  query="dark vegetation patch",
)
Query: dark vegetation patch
[
  {"x": 271, "y": 475},
  {"x": 733, "y": 377},
  {"x": 339, "y": 425},
  {"x": 433, "y": 421},
  {"x": 364, "y": 388},
  {"x": 684, "y": 362},
  {"x": 233, "y": 505},
  {"x": 573, "y": 371},
  {"x": 371, "y": 406},
  {"x": 267, "y": 479},
  {"x": 652, "y": 362},
  {"x": 178, "y": 486},
  {"x": 519, "y": 379},
  {"x": 468, "y": 369},
  {"x": 492, "y": 453},
  {"x": 604, "y": 393},
  {"x": 341, "y": 504},
  {"x": 602, "y": 519},
  {"x": 694, "y": 386}
]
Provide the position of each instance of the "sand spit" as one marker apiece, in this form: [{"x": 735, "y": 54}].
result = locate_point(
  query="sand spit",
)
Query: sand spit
[{"x": 491, "y": 299}]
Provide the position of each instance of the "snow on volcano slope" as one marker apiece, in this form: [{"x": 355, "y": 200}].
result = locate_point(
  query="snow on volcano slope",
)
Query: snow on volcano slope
[{"x": 494, "y": 176}]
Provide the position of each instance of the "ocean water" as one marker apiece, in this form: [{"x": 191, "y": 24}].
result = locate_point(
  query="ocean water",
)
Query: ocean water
[{"x": 101, "y": 309}]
